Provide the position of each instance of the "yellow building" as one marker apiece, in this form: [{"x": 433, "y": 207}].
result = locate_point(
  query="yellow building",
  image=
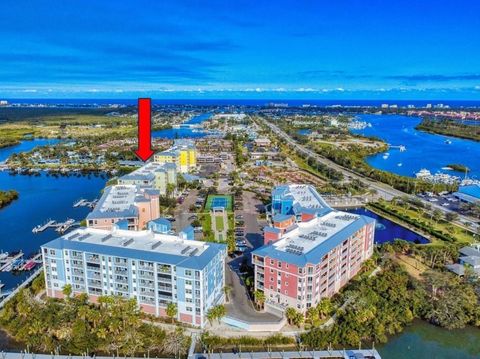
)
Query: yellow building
[{"x": 183, "y": 154}]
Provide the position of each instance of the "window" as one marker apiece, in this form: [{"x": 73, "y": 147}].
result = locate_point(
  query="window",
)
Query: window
[
  {"x": 279, "y": 264},
  {"x": 188, "y": 272},
  {"x": 189, "y": 309}
]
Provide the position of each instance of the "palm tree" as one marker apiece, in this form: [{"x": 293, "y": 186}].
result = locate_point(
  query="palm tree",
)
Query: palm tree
[
  {"x": 171, "y": 311},
  {"x": 67, "y": 290},
  {"x": 324, "y": 307},
  {"x": 259, "y": 298},
  {"x": 313, "y": 315},
  {"x": 226, "y": 290},
  {"x": 290, "y": 313}
]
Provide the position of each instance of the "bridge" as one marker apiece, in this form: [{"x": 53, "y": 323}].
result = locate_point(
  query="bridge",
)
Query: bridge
[
  {"x": 402, "y": 148},
  {"x": 187, "y": 125}
]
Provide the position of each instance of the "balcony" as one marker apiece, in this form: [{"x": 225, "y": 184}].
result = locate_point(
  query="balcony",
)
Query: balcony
[
  {"x": 120, "y": 271},
  {"x": 94, "y": 276},
  {"x": 121, "y": 280},
  {"x": 146, "y": 275},
  {"x": 147, "y": 284},
  {"x": 95, "y": 283},
  {"x": 78, "y": 272},
  {"x": 77, "y": 265},
  {"x": 258, "y": 263},
  {"x": 93, "y": 259},
  {"x": 166, "y": 297}
]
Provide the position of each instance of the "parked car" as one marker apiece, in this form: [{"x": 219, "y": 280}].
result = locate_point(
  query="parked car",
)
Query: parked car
[
  {"x": 241, "y": 249},
  {"x": 241, "y": 242},
  {"x": 197, "y": 229}
]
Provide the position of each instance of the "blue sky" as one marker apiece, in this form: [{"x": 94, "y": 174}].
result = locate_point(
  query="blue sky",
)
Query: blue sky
[{"x": 345, "y": 49}]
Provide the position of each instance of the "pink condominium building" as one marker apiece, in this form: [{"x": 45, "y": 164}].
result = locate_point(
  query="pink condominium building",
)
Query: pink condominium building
[
  {"x": 310, "y": 251},
  {"x": 128, "y": 207}
]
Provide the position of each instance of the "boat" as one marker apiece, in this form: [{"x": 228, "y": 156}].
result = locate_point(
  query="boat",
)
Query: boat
[
  {"x": 448, "y": 142},
  {"x": 400, "y": 164},
  {"x": 386, "y": 155}
]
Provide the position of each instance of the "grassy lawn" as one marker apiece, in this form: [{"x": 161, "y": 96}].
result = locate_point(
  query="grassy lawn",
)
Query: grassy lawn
[
  {"x": 206, "y": 221},
  {"x": 219, "y": 225},
  {"x": 422, "y": 220},
  {"x": 413, "y": 266}
]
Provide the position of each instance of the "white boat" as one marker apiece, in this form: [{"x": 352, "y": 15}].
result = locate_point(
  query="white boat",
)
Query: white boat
[
  {"x": 448, "y": 142},
  {"x": 386, "y": 155}
]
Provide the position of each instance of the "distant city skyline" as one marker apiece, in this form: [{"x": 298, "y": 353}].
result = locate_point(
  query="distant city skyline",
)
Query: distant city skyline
[{"x": 241, "y": 49}]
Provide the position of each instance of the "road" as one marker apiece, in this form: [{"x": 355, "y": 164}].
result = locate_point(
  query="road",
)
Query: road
[
  {"x": 383, "y": 190},
  {"x": 239, "y": 305}
]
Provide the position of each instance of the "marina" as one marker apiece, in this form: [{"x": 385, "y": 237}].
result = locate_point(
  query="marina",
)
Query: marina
[{"x": 41, "y": 198}]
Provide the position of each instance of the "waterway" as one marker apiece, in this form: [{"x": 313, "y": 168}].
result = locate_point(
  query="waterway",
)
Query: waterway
[
  {"x": 388, "y": 231},
  {"x": 40, "y": 198},
  {"x": 172, "y": 133},
  {"x": 25, "y": 146},
  {"x": 423, "y": 340},
  {"x": 423, "y": 150}
]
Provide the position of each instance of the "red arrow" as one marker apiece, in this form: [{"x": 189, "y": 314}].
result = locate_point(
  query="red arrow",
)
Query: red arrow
[{"x": 144, "y": 151}]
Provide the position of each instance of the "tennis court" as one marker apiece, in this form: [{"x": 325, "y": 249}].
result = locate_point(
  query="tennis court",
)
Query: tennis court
[{"x": 215, "y": 200}]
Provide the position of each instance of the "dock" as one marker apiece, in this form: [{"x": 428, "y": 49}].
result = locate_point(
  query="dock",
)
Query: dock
[
  {"x": 42, "y": 227},
  {"x": 60, "y": 227},
  {"x": 13, "y": 260},
  {"x": 82, "y": 202}
]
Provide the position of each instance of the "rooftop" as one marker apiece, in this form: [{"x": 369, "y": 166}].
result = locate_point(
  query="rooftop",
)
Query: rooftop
[
  {"x": 144, "y": 245},
  {"x": 308, "y": 242},
  {"x": 116, "y": 201},
  {"x": 147, "y": 172},
  {"x": 303, "y": 197}
]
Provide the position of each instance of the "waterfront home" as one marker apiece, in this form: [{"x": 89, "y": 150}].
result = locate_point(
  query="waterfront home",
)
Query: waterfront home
[
  {"x": 469, "y": 256},
  {"x": 152, "y": 268},
  {"x": 130, "y": 206},
  {"x": 310, "y": 251}
]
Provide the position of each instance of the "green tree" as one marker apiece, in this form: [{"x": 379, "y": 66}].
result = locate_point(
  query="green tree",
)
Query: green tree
[
  {"x": 259, "y": 297},
  {"x": 172, "y": 311}
]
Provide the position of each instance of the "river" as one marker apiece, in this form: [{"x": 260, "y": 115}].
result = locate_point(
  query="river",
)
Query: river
[
  {"x": 172, "y": 133},
  {"x": 423, "y": 150}
]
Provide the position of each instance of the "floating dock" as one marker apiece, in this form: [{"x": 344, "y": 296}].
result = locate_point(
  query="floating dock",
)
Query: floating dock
[
  {"x": 42, "y": 227},
  {"x": 82, "y": 202},
  {"x": 13, "y": 260},
  {"x": 60, "y": 227}
]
